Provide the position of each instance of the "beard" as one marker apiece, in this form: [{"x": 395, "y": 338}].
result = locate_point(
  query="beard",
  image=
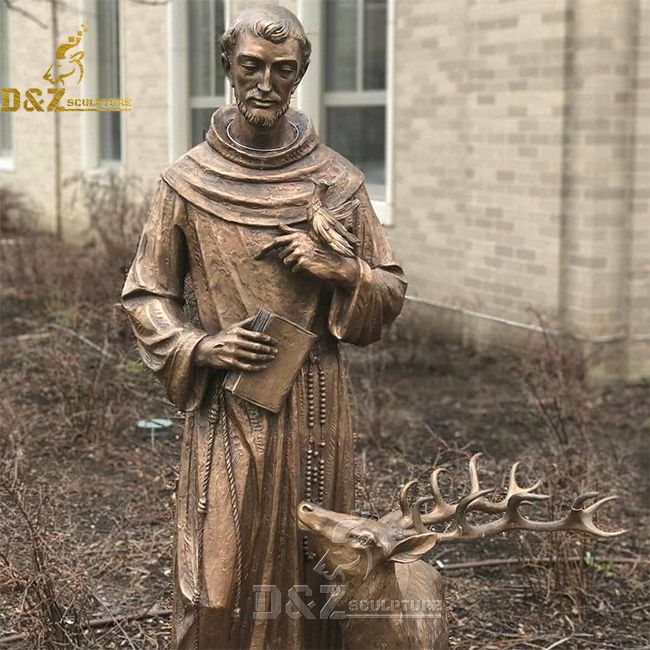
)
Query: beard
[{"x": 265, "y": 121}]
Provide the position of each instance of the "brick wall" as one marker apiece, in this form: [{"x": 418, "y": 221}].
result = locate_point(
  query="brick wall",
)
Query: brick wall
[
  {"x": 146, "y": 81},
  {"x": 515, "y": 142},
  {"x": 638, "y": 352},
  {"x": 599, "y": 154},
  {"x": 33, "y": 132},
  {"x": 478, "y": 155}
]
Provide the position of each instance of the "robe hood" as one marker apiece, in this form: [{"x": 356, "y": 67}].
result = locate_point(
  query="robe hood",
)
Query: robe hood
[{"x": 260, "y": 188}]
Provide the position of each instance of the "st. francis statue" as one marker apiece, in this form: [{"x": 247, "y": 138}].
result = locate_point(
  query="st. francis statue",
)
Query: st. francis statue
[{"x": 259, "y": 216}]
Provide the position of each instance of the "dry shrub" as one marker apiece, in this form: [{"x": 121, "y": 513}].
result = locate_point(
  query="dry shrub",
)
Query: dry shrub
[
  {"x": 408, "y": 346},
  {"x": 56, "y": 275},
  {"x": 18, "y": 212},
  {"x": 411, "y": 342},
  {"x": 75, "y": 392},
  {"x": 51, "y": 594},
  {"x": 71, "y": 381},
  {"x": 73, "y": 355},
  {"x": 117, "y": 206},
  {"x": 373, "y": 399},
  {"x": 554, "y": 375},
  {"x": 53, "y": 275}
]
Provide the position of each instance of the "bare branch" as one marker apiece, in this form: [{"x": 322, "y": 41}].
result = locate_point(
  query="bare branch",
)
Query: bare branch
[{"x": 12, "y": 5}]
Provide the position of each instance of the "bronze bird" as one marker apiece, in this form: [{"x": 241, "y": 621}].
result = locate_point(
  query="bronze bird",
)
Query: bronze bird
[{"x": 327, "y": 223}]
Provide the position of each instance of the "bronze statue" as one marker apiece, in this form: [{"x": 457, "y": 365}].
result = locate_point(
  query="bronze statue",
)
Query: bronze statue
[
  {"x": 259, "y": 216},
  {"x": 378, "y": 562}
]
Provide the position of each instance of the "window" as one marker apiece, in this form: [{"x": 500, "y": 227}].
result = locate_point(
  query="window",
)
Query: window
[
  {"x": 6, "y": 136},
  {"x": 108, "y": 79},
  {"x": 355, "y": 117},
  {"x": 207, "y": 81}
]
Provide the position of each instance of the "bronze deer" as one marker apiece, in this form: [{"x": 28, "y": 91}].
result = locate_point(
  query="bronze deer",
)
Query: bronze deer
[{"x": 380, "y": 562}]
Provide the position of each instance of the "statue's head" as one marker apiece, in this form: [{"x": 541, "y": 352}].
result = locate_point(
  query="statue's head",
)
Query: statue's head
[{"x": 265, "y": 54}]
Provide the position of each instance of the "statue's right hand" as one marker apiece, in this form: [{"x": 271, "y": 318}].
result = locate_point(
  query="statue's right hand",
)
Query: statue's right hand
[{"x": 237, "y": 347}]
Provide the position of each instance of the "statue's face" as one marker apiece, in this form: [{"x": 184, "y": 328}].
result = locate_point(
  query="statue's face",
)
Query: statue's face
[{"x": 264, "y": 75}]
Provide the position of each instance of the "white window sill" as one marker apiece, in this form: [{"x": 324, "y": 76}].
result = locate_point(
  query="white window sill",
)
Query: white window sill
[
  {"x": 104, "y": 167},
  {"x": 110, "y": 164},
  {"x": 7, "y": 165}
]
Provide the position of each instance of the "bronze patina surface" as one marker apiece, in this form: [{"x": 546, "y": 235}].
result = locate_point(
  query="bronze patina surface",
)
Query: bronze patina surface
[{"x": 260, "y": 215}]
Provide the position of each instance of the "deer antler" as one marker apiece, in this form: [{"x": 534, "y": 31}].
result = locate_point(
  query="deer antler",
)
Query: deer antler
[
  {"x": 443, "y": 511},
  {"x": 411, "y": 518},
  {"x": 577, "y": 519}
]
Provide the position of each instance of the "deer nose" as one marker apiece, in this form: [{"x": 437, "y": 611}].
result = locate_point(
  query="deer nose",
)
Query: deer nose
[{"x": 306, "y": 507}]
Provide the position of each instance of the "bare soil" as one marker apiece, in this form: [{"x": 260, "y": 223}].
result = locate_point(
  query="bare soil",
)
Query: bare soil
[{"x": 86, "y": 500}]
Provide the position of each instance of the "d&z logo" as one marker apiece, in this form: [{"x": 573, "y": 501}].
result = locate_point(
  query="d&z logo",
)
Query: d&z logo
[{"x": 66, "y": 67}]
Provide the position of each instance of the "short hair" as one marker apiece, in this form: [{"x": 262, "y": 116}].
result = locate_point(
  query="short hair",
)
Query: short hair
[{"x": 274, "y": 23}]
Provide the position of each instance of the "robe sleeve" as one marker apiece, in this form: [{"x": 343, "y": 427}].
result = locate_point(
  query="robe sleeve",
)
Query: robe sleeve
[
  {"x": 358, "y": 316},
  {"x": 153, "y": 299}
]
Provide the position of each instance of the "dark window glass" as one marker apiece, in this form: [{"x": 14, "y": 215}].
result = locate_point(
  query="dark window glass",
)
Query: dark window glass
[
  {"x": 206, "y": 24},
  {"x": 374, "y": 44},
  {"x": 340, "y": 44},
  {"x": 355, "y": 82},
  {"x": 200, "y": 124},
  {"x": 108, "y": 55},
  {"x": 358, "y": 133}
]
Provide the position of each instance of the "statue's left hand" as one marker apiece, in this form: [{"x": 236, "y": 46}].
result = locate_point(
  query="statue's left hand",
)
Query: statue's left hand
[{"x": 301, "y": 252}]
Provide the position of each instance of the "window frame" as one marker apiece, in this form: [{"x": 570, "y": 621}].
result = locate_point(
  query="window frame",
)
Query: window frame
[
  {"x": 309, "y": 97},
  {"x": 91, "y": 157},
  {"x": 359, "y": 97},
  {"x": 114, "y": 162},
  {"x": 7, "y": 162},
  {"x": 181, "y": 101}
]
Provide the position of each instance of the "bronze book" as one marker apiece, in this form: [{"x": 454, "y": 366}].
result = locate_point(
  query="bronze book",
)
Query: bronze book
[{"x": 268, "y": 388}]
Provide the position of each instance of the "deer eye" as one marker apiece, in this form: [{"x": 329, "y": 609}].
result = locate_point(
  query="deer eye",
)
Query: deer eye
[{"x": 362, "y": 540}]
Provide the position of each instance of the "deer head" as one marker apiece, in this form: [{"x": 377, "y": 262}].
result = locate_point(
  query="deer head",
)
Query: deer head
[
  {"x": 355, "y": 546},
  {"x": 352, "y": 546}
]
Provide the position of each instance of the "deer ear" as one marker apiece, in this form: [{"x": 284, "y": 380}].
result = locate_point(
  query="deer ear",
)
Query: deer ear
[{"x": 413, "y": 548}]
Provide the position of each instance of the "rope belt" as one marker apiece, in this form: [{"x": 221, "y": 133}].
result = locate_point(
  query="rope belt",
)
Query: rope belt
[{"x": 218, "y": 419}]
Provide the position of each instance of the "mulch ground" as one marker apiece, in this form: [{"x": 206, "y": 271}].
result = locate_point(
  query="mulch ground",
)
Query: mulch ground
[{"x": 87, "y": 499}]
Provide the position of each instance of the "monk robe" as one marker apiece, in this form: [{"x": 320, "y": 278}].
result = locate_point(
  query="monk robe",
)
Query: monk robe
[{"x": 242, "y": 468}]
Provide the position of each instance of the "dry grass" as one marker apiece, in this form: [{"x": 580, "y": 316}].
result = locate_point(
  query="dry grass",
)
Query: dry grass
[{"x": 71, "y": 390}]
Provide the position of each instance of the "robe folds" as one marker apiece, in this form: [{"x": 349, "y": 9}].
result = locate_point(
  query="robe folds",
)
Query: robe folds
[{"x": 242, "y": 469}]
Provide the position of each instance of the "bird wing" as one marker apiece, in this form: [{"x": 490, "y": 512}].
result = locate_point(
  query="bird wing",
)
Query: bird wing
[
  {"x": 331, "y": 231},
  {"x": 344, "y": 211}
]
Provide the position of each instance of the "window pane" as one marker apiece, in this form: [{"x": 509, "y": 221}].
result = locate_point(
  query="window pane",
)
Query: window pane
[
  {"x": 206, "y": 23},
  {"x": 4, "y": 45},
  {"x": 358, "y": 133},
  {"x": 108, "y": 48},
  {"x": 5, "y": 135},
  {"x": 108, "y": 55},
  {"x": 340, "y": 44},
  {"x": 110, "y": 130},
  {"x": 5, "y": 118},
  {"x": 374, "y": 44},
  {"x": 200, "y": 123}
]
